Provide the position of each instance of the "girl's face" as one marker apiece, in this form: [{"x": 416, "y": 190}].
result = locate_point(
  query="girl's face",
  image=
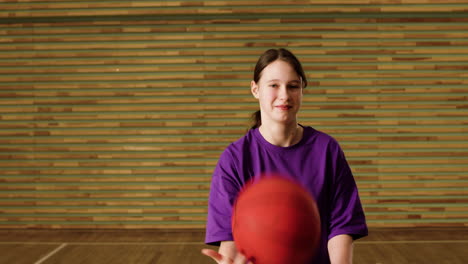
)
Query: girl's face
[{"x": 279, "y": 92}]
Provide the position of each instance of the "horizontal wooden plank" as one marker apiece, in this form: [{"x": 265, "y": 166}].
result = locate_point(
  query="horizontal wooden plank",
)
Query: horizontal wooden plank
[
  {"x": 164, "y": 173},
  {"x": 435, "y": 171},
  {"x": 315, "y": 63},
  {"x": 404, "y": 153},
  {"x": 355, "y": 154},
  {"x": 97, "y": 219},
  {"x": 145, "y": 76},
  {"x": 178, "y": 195},
  {"x": 397, "y": 138},
  {"x": 174, "y": 103},
  {"x": 103, "y": 211},
  {"x": 433, "y": 216},
  {"x": 124, "y": 179},
  {"x": 165, "y": 100},
  {"x": 106, "y": 171},
  {"x": 359, "y": 164},
  {"x": 202, "y": 225},
  {"x": 296, "y": 35},
  {"x": 131, "y": 216},
  {"x": 123, "y": 4},
  {"x": 445, "y": 179},
  {"x": 414, "y": 185},
  {"x": 71, "y": 175},
  {"x": 102, "y": 143},
  {"x": 155, "y": 8},
  {"x": 104, "y": 187},
  {"x": 238, "y": 91},
  {"x": 240, "y": 23},
  {"x": 216, "y": 83},
  {"x": 244, "y": 2},
  {"x": 127, "y": 28},
  {"x": 441, "y": 209},
  {"x": 240, "y": 116},
  {"x": 347, "y": 21},
  {"x": 241, "y": 123},
  {"x": 110, "y": 163},
  {"x": 357, "y": 52},
  {"x": 421, "y": 45},
  {"x": 408, "y": 200},
  {"x": 341, "y": 70},
  {"x": 227, "y": 131},
  {"x": 250, "y": 106},
  {"x": 103, "y": 195},
  {"x": 181, "y": 147},
  {"x": 174, "y": 156},
  {"x": 105, "y": 225},
  {"x": 187, "y": 142},
  {"x": 210, "y": 145},
  {"x": 413, "y": 192},
  {"x": 167, "y": 176},
  {"x": 405, "y": 177},
  {"x": 403, "y": 145},
  {"x": 408, "y": 169},
  {"x": 153, "y": 203},
  {"x": 146, "y": 218},
  {"x": 414, "y": 223},
  {"x": 40, "y": 185}
]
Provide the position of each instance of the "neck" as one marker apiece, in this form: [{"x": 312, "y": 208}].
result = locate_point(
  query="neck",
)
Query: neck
[{"x": 282, "y": 135}]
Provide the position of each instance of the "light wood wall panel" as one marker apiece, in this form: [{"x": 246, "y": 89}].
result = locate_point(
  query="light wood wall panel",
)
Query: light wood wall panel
[{"x": 114, "y": 113}]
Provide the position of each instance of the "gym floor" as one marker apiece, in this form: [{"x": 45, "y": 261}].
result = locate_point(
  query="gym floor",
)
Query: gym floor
[{"x": 383, "y": 245}]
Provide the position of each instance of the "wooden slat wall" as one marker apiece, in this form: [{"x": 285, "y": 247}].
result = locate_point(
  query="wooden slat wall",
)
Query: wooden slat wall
[{"x": 113, "y": 113}]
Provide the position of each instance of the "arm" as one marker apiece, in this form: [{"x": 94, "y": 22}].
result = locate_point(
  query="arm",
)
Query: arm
[
  {"x": 340, "y": 249},
  {"x": 347, "y": 214},
  {"x": 228, "y": 249}
]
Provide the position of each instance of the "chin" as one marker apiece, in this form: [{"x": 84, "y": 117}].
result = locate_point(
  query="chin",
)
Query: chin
[{"x": 286, "y": 120}]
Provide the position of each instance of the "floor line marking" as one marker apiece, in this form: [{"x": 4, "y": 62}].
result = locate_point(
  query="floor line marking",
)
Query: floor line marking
[{"x": 51, "y": 253}]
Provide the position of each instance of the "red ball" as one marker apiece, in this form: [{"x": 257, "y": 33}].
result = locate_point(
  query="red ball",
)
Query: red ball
[{"x": 276, "y": 221}]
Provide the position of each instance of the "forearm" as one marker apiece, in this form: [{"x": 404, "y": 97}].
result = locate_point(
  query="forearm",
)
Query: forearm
[
  {"x": 228, "y": 249},
  {"x": 340, "y": 249}
]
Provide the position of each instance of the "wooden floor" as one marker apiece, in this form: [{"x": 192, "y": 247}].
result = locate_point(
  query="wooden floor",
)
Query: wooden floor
[{"x": 421, "y": 245}]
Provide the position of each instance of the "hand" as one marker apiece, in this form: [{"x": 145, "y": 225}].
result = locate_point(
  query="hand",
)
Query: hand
[{"x": 220, "y": 259}]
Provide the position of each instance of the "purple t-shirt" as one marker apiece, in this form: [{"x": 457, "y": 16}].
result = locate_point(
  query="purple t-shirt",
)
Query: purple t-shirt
[{"x": 317, "y": 162}]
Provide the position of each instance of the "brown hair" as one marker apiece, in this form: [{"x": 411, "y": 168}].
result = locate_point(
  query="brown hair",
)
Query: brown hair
[{"x": 265, "y": 59}]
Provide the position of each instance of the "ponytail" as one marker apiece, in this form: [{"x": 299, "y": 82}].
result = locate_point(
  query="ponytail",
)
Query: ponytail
[{"x": 256, "y": 119}]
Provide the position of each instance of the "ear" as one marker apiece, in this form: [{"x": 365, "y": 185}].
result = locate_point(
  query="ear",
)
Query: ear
[{"x": 254, "y": 89}]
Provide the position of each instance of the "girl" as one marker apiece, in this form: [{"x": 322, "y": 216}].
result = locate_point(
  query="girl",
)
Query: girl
[{"x": 278, "y": 143}]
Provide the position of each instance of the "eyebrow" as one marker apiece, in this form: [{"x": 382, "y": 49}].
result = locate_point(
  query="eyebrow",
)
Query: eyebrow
[{"x": 275, "y": 80}]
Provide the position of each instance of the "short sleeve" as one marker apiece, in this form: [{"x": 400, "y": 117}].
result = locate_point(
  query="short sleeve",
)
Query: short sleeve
[
  {"x": 223, "y": 192},
  {"x": 347, "y": 215}
]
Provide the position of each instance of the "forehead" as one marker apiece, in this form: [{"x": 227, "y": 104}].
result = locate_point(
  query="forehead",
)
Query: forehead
[{"x": 279, "y": 70}]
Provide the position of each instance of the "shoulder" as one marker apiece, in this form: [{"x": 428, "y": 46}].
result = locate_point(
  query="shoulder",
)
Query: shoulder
[
  {"x": 241, "y": 145},
  {"x": 317, "y": 137},
  {"x": 237, "y": 149},
  {"x": 234, "y": 164}
]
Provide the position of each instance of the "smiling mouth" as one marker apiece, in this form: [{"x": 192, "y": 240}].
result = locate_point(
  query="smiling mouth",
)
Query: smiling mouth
[{"x": 284, "y": 107}]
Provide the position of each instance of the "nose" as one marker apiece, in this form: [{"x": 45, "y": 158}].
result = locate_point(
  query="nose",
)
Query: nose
[{"x": 283, "y": 93}]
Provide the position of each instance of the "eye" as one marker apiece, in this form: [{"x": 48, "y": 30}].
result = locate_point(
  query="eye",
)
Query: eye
[
  {"x": 274, "y": 85},
  {"x": 294, "y": 86}
]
